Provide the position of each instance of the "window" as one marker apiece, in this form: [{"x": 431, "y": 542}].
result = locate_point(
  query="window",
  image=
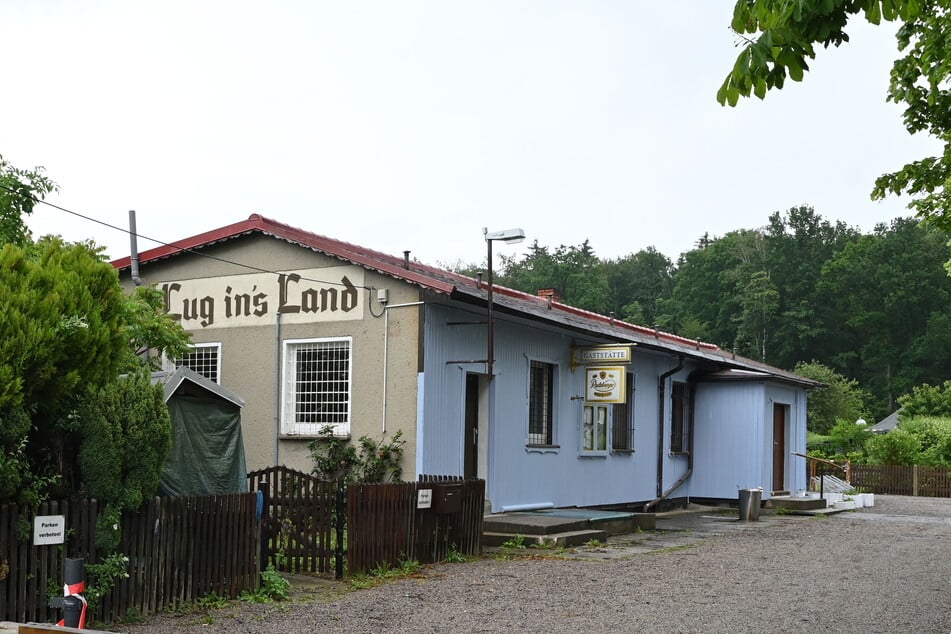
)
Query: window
[
  {"x": 622, "y": 423},
  {"x": 316, "y": 386},
  {"x": 679, "y": 419},
  {"x": 594, "y": 429},
  {"x": 205, "y": 359},
  {"x": 540, "y": 403}
]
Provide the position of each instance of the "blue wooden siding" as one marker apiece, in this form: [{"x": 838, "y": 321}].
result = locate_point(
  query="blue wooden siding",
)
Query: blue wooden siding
[
  {"x": 730, "y": 437},
  {"x": 732, "y": 425}
]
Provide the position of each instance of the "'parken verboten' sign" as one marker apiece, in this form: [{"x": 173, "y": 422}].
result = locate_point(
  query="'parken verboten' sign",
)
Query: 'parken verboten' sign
[{"x": 304, "y": 296}]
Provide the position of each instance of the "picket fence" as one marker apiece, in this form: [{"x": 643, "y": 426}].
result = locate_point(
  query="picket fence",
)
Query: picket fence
[{"x": 179, "y": 549}]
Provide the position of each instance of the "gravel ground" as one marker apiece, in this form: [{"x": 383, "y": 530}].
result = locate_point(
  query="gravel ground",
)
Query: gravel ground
[{"x": 880, "y": 569}]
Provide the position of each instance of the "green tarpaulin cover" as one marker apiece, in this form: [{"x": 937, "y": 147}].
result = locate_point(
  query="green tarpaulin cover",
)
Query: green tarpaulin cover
[{"x": 207, "y": 455}]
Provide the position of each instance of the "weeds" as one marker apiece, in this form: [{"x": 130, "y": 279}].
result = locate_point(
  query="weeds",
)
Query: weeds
[
  {"x": 515, "y": 542},
  {"x": 453, "y": 556},
  {"x": 384, "y": 572},
  {"x": 273, "y": 587}
]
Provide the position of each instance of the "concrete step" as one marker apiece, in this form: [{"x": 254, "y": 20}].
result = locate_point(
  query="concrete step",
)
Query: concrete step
[
  {"x": 564, "y": 539},
  {"x": 797, "y": 503},
  {"x": 546, "y": 522},
  {"x": 531, "y": 524}
]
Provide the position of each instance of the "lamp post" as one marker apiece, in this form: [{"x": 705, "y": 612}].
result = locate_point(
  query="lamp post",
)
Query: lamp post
[{"x": 511, "y": 236}]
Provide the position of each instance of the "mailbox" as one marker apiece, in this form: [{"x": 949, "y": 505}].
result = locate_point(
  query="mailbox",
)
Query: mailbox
[{"x": 447, "y": 498}]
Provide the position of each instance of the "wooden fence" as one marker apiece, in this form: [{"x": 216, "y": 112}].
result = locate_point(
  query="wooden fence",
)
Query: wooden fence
[
  {"x": 298, "y": 519},
  {"x": 179, "y": 549},
  {"x": 385, "y": 523},
  {"x": 902, "y": 480}
]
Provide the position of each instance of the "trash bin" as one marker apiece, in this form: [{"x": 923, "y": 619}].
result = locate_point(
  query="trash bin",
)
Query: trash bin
[{"x": 749, "y": 504}]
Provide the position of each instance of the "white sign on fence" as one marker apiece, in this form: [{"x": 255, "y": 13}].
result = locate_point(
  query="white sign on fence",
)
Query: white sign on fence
[
  {"x": 424, "y": 499},
  {"x": 49, "y": 529}
]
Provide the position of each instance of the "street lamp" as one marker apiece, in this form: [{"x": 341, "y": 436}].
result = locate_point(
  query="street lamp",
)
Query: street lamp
[{"x": 511, "y": 236}]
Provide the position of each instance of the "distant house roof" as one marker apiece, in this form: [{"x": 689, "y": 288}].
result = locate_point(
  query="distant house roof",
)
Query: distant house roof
[
  {"x": 467, "y": 289},
  {"x": 886, "y": 424},
  {"x": 189, "y": 382}
]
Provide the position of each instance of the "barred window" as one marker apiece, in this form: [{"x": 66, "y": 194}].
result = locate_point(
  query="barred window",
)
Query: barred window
[
  {"x": 622, "y": 424},
  {"x": 205, "y": 359},
  {"x": 316, "y": 386},
  {"x": 679, "y": 421},
  {"x": 540, "y": 403}
]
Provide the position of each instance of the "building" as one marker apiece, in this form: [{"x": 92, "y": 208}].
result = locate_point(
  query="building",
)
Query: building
[{"x": 581, "y": 409}]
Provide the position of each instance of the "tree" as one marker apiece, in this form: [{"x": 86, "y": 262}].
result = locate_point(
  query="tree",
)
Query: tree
[
  {"x": 639, "y": 282},
  {"x": 126, "y": 434},
  {"x": 927, "y": 400},
  {"x": 20, "y": 190},
  {"x": 67, "y": 332},
  {"x": 781, "y": 37},
  {"x": 574, "y": 272},
  {"x": 838, "y": 399},
  {"x": 798, "y": 243},
  {"x": 889, "y": 294}
]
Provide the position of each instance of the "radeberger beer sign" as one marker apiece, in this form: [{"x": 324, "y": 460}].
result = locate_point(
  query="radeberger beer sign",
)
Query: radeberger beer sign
[
  {"x": 604, "y": 385},
  {"x": 304, "y": 296}
]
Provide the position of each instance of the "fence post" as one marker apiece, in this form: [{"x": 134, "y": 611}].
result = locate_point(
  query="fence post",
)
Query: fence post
[
  {"x": 265, "y": 515},
  {"x": 341, "y": 491},
  {"x": 914, "y": 480}
]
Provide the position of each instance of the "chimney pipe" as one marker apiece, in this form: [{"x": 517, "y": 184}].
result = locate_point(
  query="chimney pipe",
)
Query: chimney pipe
[{"x": 134, "y": 250}]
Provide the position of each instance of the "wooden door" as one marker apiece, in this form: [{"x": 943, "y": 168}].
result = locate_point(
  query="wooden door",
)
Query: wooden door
[
  {"x": 471, "y": 430},
  {"x": 779, "y": 447}
]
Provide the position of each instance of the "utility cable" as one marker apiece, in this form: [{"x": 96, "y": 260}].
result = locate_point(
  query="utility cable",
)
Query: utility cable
[{"x": 166, "y": 244}]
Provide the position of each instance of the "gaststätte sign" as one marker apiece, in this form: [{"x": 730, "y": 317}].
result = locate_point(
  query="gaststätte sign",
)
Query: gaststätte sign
[{"x": 603, "y": 354}]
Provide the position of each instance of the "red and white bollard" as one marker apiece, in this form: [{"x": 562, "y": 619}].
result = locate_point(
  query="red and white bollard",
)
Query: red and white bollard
[{"x": 74, "y": 603}]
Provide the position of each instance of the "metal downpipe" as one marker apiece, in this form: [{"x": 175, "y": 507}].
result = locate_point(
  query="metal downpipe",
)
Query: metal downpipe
[{"x": 661, "y": 391}]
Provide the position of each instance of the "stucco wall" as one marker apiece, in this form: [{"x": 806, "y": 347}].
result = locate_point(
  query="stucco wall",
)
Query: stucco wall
[{"x": 250, "y": 354}]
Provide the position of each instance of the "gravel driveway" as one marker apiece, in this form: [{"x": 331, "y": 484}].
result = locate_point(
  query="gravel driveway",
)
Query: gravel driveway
[{"x": 881, "y": 569}]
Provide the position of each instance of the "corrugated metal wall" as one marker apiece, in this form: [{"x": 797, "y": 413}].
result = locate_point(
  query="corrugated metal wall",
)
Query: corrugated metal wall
[{"x": 732, "y": 430}]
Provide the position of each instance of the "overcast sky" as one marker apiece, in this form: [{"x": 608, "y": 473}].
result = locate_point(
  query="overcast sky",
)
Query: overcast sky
[{"x": 402, "y": 125}]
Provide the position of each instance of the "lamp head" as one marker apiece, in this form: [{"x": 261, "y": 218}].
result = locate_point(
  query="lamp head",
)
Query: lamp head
[{"x": 512, "y": 236}]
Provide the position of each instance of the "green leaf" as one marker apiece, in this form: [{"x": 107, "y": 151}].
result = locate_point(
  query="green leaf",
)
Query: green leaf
[
  {"x": 760, "y": 88},
  {"x": 721, "y": 93},
  {"x": 795, "y": 70},
  {"x": 741, "y": 16},
  {"x": 874, "y": 12},
  {"x": 732, "y": 95},
  {"x": 742, "y": 66}
]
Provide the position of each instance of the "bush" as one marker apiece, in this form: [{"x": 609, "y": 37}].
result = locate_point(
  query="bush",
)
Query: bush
[
  {"x": 927, "y": 400},
  {"x": 373, "y": 462},
  {"x": 897, "y": 447}
]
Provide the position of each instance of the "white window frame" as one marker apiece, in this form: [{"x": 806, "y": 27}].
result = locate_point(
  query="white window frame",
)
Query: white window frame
[
  {"x": 596, "y": 429},
  {"x": 289, "y": 389},
  {"x": 194, "y": 347}
]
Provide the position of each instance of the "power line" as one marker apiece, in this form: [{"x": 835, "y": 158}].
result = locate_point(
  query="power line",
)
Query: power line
[{"x": 166, "y": 244}]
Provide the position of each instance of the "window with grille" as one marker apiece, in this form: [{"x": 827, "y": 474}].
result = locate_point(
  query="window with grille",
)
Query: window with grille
[
  {"x": 679, "y": 419},
  {"x": 316, "y": 386},
  {"x": 622, "y": 423},
  {"x": 540, "y": 403},
  {"x": 205, "y": 359}
]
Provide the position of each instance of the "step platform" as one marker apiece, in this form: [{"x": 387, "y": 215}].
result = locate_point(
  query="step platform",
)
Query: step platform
[{"x": 561, "y": 527}]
